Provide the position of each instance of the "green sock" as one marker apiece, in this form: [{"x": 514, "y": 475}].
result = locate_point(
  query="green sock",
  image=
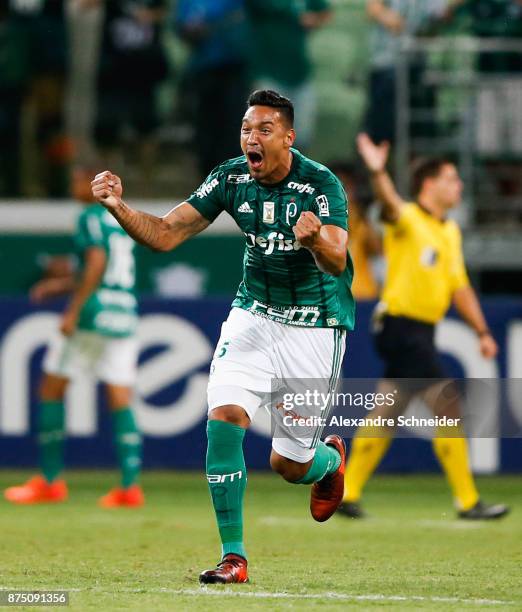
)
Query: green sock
[
  {"x": 127, "y": 440},
  {"x": 227, "y": 479},
  {"x": 326, "y": 461},
  {"x": 51, "y": 434}
]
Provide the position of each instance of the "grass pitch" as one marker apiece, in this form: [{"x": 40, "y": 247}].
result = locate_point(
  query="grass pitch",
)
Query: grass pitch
[{"x": 410, "y": 554}]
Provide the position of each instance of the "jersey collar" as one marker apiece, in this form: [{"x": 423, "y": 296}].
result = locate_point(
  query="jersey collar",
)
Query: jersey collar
[{"x": 428, "y": 212}]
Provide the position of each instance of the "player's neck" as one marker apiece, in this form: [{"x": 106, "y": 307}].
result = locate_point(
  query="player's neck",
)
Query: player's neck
[
  {"x": 432, "y": 207},
  {"x": 281, "y": 172}
]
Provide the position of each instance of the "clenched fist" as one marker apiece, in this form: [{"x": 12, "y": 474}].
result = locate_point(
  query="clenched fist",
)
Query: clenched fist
[
  {"x": 107, "y": 189},
  {"x": 307, "y": 229}
]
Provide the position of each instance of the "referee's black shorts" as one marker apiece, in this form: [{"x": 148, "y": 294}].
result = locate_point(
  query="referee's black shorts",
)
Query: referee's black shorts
[{"x": 408, "y": 349}]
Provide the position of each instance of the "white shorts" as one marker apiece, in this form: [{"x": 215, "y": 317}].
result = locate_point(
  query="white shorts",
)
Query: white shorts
[
  {"x": 253, "y": 351},
  {"x": 112, "y": 360}
]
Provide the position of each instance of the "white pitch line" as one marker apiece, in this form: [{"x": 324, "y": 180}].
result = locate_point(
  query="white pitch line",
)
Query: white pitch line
[
  {"x": 341, "y": 596},
  {"x": 452, "y": 525},
  {"x": 221, "y": 591}
]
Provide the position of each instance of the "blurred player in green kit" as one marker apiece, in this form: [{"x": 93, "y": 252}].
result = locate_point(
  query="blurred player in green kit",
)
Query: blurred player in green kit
[{"x": 96, "y": 335}]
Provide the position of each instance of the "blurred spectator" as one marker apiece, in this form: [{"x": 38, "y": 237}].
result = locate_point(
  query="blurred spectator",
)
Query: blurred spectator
[
  {"x": 499, "y": 121},
  {"x": 15, "y": 72},
  {"x": 40, "y": 25},
  {"x": 215, "y": 75},
  {"x": 84, "y": 25},
  {"x": 365, "y": 242},
  {"x": 132, "y": 65},
  {"x": 279, "y": 57},
  {"x": 393, "y": 20}
]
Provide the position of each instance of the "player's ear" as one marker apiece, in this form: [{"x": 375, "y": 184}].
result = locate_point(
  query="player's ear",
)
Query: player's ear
[{"x": 290, "y": 138}]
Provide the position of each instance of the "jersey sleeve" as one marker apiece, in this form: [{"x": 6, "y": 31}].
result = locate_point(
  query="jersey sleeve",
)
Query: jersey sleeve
[
  {"x": 331, "y": 205},
  {"x": 459, "y": 275},
  {"x": 209, "y": 197},
  {"x": 405, "y": 220},
  {"x": 89, "y": 232}
]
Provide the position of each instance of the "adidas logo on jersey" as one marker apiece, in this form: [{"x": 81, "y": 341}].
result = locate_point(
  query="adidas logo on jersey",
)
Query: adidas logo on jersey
[
  {"x": 306, "y": 188},
  {"x": 245, "y": 208}
]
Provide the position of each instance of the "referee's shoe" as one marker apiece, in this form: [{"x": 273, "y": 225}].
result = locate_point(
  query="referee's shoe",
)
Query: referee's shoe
[{"x": 482, "y": 511}]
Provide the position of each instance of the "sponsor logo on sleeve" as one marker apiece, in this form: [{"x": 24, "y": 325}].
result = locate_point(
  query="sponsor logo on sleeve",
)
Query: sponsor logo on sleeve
[
  {"x": 324, "y": 206},
  {"x": 207, "y": 188}
]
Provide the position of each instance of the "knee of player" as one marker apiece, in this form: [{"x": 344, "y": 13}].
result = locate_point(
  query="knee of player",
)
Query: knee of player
[
  {"x": 118, "y": 397},
  {"x": 52, "y": 388},
  {"x": 230, "y": 414}
]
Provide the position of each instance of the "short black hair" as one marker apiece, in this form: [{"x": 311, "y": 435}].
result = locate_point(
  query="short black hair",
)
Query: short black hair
[
  {"x": 268, "y": 97},
  {"x": 425, "y": 168}
]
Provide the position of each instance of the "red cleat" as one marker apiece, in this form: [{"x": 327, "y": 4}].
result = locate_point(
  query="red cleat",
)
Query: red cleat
[
  {"x": 37, "y": 491},
  {"x": 232, "y": 568},
  {"x": 327, "y": 494},
  {"x": 132, "y": 497}
]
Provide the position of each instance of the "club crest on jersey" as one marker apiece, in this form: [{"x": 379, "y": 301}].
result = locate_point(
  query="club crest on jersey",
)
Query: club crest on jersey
[
  {"x": 306, "y": 188},
  {"x": 429, "y": 257},
  {"x": 324, "y": 206},
  {"x": 268, "y": 212},
  {"x": 291, "y": 211}
]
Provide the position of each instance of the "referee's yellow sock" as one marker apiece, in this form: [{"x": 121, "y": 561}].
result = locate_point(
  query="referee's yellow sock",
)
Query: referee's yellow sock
[
  {"x": 452, "y": 454},
  {"x": 365, "y": 455}
]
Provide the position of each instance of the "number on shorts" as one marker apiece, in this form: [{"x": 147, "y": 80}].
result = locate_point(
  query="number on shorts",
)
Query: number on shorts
[{"x": 224, "y": 348}]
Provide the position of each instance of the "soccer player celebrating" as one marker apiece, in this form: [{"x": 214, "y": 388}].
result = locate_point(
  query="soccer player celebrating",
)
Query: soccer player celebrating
[
  {"x": 426, "y": 272},
  {"x": 96, "y": 334},
  {"x": 290, "y": 314}
]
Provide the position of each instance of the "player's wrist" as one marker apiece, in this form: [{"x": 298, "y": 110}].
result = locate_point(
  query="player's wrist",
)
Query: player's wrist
[
  {"x": 378, "y": 171},
  {"x": 483, "y": 332}
]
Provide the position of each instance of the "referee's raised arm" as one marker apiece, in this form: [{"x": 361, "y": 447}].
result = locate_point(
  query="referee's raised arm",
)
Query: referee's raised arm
[{"x": 375, "y": 157}]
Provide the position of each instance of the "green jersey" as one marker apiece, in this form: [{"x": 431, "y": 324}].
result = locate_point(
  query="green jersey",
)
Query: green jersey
[
  {"x": 281, "y": 280},
  {"x": 112, "y": 309}
]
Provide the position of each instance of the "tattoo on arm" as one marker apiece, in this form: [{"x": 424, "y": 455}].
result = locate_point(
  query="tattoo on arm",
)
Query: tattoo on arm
[{"x": 161, "y": 233}]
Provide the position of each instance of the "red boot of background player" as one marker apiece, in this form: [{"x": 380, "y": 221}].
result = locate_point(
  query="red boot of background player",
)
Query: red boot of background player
[
  {"x": 37, "y": 491},
  {"x": 132, "y": 497}
]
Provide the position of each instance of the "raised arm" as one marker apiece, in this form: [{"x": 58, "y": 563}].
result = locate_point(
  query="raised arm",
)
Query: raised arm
[
  {"x": 158, "y": 233},
  {"x": 375, "y": 157}
]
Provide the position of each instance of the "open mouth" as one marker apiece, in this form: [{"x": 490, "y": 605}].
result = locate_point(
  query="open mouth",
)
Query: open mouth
[{"x": 255, "y": 159}]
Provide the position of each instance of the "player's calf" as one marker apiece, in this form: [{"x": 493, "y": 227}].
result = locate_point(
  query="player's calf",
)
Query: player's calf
[{"x": 291, "y": 471}]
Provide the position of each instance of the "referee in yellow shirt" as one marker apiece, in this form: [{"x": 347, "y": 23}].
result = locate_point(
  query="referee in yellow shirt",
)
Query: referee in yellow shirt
[{"x": 425, "y": 275}]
